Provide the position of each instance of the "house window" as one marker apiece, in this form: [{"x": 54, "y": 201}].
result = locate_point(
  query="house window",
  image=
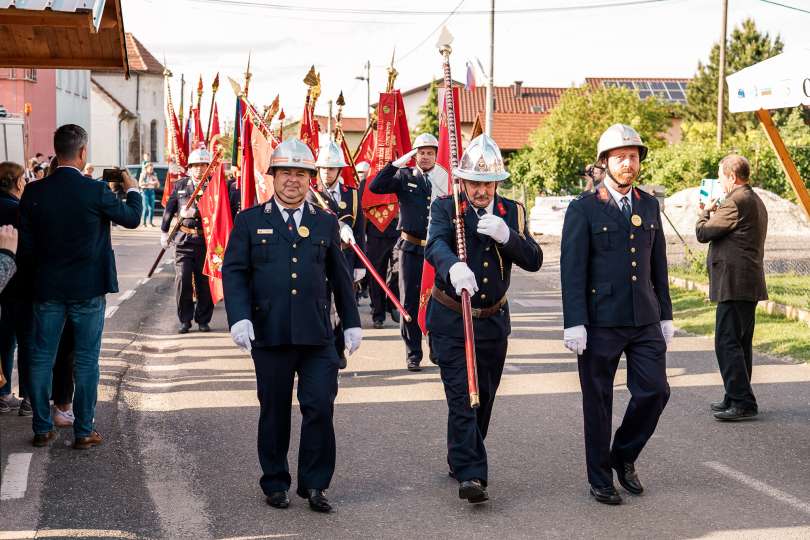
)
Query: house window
[{"x": 153, "y": 140}]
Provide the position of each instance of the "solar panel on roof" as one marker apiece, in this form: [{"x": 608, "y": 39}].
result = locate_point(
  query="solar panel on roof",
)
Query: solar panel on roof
[{"x": 626, "y": 84}]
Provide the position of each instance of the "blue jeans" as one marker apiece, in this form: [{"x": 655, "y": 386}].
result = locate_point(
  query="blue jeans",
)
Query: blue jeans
[
  {"x": 87, "y": 319},
  {"x": 148, "y": 205},
  {"x": 15, "y": 333}
]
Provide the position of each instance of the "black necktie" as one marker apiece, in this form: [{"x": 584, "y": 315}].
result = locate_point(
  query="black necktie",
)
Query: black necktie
[
  {"x": 481, "y": 212},
  {"x": 626, "y": 208},
  {"x": 290, "y": 221}
]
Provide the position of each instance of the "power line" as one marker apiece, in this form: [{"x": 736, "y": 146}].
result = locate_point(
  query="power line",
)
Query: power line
[
  {"x": 410, "y": 52},
  {"x": 362, "y": 11},
  {"x": 784, "y": 6}
]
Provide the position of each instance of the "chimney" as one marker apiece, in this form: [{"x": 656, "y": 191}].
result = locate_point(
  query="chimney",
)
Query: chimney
[{"x": 518, "y": 89}]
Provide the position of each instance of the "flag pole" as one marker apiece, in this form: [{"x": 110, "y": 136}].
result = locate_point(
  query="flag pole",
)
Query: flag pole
[{"x": 214, "y": 88}]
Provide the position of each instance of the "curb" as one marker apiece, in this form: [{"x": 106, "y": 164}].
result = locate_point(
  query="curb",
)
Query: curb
[{"x": 768, "y": 306}]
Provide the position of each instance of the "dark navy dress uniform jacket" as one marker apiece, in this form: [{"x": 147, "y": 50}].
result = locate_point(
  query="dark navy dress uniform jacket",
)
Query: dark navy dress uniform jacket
[
  {"x": 613, "y": 273},
  {"x": 413, "y": 193},
  {"x": 280, "y": 280}
]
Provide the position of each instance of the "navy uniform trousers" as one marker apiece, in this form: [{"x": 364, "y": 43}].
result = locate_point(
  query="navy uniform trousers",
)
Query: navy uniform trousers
[
  {"x": 645, "y": 349},
  {"x": 411, "y": 259},
  {"x": 276, "y": 368},
  {"x": 381, "y": 253},
  {"x": 466, "y": 427},
  {"x": 189, "y": 260}
]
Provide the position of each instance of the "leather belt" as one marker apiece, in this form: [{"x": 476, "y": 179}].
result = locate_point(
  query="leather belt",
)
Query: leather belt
[
  {"x": 478, "y": 313},
  {"x": 415, "y": 240},
  {"x": 190, "y": 231}
]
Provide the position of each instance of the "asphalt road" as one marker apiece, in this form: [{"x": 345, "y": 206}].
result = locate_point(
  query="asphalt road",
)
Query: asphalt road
[{"x": 179, "y": 415}]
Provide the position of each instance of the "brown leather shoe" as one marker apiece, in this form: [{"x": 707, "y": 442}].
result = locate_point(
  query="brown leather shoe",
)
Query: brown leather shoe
[
  {"x": 85, "y": 443},
  {"x": 44, "y": 439}
]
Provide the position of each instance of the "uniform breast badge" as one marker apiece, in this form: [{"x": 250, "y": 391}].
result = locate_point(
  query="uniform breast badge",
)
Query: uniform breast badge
[{"x": 636, "y": 220}]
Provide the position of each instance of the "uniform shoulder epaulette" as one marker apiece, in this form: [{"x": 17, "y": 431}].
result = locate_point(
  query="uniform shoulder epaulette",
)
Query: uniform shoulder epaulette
[
  {"x": 644, "y": 194},
  {"x": 585, "y": 195},
  {"x": 444, "y": 197}
]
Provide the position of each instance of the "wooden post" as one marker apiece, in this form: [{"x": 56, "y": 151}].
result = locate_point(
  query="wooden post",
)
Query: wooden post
[{"x": 784, "y": 158}]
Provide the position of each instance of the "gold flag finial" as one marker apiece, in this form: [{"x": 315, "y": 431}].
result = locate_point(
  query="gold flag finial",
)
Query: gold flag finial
[
  {"x": 340, "y": 100},
  {"x": 312, "y": 77},
  {"x": 392, "y": 73}
]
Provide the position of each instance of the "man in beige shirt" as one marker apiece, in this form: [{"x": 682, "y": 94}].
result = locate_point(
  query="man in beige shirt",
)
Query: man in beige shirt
[{"x": 735, "y": 230}]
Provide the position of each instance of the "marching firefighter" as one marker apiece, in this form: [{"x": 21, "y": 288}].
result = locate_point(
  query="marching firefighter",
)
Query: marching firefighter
[
  {"x": 415, "y": 189},
  {"x": 497, "y": 238},
  {"x": 191, "y": 285},
  {"x": 615, "y": 294},
  {"x": 279, "y": 258},
  {"x": 345, "y": 203}
]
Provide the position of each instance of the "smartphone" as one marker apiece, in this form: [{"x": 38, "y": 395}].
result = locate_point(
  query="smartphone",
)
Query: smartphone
[{"x": 113, "y": 176}]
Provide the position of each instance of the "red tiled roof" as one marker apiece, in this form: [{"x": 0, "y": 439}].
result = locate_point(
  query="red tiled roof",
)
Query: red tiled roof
[
  {"x": 350, "y": 124},
  {"x": 511, "y": 130},
  {"x": 140, "y": 59},
  {"x": 531, "y": 100}
]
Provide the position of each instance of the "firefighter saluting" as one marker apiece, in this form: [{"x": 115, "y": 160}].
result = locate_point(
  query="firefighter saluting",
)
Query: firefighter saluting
[{"x": 189, "y": 252}]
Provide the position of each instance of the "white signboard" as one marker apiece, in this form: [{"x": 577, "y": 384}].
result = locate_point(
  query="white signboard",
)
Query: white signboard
[{"x": 776, "y": 83}]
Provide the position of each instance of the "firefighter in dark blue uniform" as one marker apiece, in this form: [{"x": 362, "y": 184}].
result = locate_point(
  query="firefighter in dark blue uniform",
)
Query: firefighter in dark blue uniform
[
  {"x": 496, "y": 238},
  {"x": 282, "y": 262},
  {"x": 415, "y": 189},
  {"x": 189, "y": 251},
  {"x": 344, "y": 202},
  {"x": 615, "y": 292}
]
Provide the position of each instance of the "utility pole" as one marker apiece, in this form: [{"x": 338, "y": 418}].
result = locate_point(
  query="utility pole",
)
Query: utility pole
[
  {"x": 721, "y": 81},
  {"x": 367, "y": 78},
  {"x": 490, "y": 106}
]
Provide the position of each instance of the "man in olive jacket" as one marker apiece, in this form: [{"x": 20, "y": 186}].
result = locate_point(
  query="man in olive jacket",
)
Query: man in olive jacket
[{"x": 735, "y": 230}]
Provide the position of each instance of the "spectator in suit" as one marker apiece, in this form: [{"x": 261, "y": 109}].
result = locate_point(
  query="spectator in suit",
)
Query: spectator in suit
[
  {"x": 735, "y": 230},
  {"x": 15, "y": 311},
  {"x": 66, "y": 248}
]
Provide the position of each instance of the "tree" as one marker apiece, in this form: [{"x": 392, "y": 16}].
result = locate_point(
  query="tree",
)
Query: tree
[
  {"x": 566, "y": 141},
  {"x": 429, "y": 113},
  {"x": 746, "y": 47}
]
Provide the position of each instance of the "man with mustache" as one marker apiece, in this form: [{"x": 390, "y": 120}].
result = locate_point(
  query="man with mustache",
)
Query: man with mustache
[
  {"x": 615, "y": 293},
  {"x": 497, "y": 238},
  {"x": 282, "y": 262}
]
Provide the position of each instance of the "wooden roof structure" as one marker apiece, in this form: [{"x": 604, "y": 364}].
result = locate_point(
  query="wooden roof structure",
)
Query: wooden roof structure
[{"x": 65, "y": 34}]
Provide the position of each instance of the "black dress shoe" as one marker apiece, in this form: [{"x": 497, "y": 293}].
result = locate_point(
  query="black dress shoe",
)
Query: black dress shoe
[
  {"x": 379, "y": 324},
  {"x": 413, "y": 365},
  {"x": 204, "y": 327},
  {"x": 394, "y": 315},
  {"x": 626, "y": 473},
  {"x": 735, "y": 414},
  {"x": 317, "y": 499},
  {"x": 607, "y": 495},
  {"x": 342, "y": 361},
  {"x": 184, "y": 328},
  {"x": 720, "y": 406},
  {"x": 278, "y": 499},
  {"x": 473, "y": 490}
]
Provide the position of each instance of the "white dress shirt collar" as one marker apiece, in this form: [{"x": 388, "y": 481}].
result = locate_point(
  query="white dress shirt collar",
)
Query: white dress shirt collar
[
  {"x": 618, "y": 196},
  {"x": 298, "y": 215}
]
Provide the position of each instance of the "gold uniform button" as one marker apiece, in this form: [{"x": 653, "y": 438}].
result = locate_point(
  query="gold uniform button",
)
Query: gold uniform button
[
  {"x": 264, "y": 240},
  {"x": 486, "y": 280},
  {"x": 632, "y": 236},
  {"x": 294, "y": 275},
  {"x": 486, "y": 248},
  {"x": 632, "y": 250},
  {"x": 635, "y": 278},
  {"x": 604, "y": 228},
  {"x": 295, "y": 259},
  {"x": 486, "y": 264},
  {"x": 295, "y": 246},
  {"x": 633, "y": 264},
  {"x": 294, "y": 292},
  {"x": 593, "y": 291},
  {"x": 483, "y": 297}
]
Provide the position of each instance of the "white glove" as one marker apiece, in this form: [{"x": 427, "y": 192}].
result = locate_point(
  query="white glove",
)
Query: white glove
[
  {"x": 188, "y": 213},
  {"x": 242, "y": 333},
  {"x": 359, "y": 273},
  {"x": 164, "y": 240},
  {"x": 353, "y": 337},
  {"x": 346, "y": 234},
  {"x": 494, "y": 227},
  {"x": 575, "y": 339},
  {"x": 463, "y": 278},
  {"x": 668, "y": 329},
  {"x": 403, "y": 161}
]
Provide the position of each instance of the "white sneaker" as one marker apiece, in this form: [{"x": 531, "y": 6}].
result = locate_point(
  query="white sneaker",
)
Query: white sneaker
[{"x": 63, "y": 418}]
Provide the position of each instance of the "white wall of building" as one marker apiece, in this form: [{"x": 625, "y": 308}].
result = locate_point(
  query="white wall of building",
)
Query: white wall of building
[
  {"x": 142, "y": 94},
  {"x": 73, "y": 103},
  {"x": 104, "y": 136}
]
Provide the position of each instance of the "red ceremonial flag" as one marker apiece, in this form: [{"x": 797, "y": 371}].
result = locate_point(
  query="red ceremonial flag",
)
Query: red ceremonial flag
[
  {"x": 187, "y": 136},
  {"x": 199, "y": 134},
  {"x": 392, "y": 140},
  {"x": 347, "y": 174},
  {"x": 308, "y": 131},
  {"x": 443, "y": 161},
  {"x": 365, "y": 150},
  {"x": 215, "y": 210},
  {"x": 260, "y": 151},
  {"x": 247, "y": 184},
  {"x": 214, "y": 125},
  {"x": 471, "y": 86}
]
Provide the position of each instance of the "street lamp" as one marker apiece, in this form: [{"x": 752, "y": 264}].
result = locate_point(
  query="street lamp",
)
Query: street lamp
[{"x": 367, "y": 78}]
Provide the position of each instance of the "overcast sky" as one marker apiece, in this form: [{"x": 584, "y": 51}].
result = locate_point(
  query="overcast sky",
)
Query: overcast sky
[{"x": 551, "y": 48}]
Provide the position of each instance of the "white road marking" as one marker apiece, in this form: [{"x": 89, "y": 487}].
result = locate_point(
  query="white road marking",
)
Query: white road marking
[
  {"x": 66, "y": 533},
  {"x": 530, "y": 302},
  {"x": 158, "y": 270},
  {"x": 15, "y": 476},
  {"x": 762, "y": 487},
  {"x": 127, "y": 295},
  {"x": 110, "y": 311},
  {"x": 144, "y": 281}
]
